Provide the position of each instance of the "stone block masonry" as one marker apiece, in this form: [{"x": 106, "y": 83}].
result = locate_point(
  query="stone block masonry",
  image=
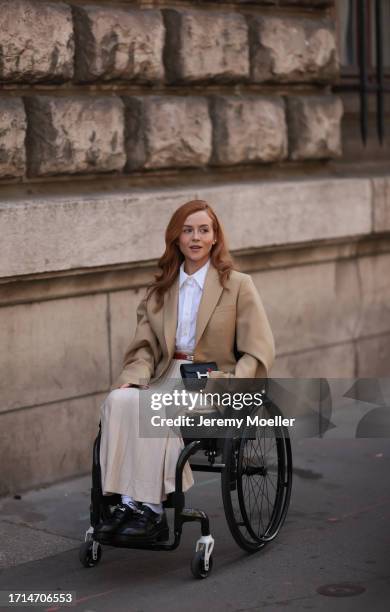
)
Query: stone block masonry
[
  {"x": 314, "y": 126},
  {"x": 58, "y": 335},
  {"x": 103, "y": 103},
  {"x": 75, "y": 135},
  {"x": 12, "y": 135},
  {"x": 164, "y": 132},
  {"x": 115, "y": 43},
  {"x": 204, "y": 46},
  {"x": 36, "y": 41},
  {"x": 250, "y": 129},
  {"x": 292, "y": 49},
  {"x": 56, "y": 442},
  {"x": 201, "y": 61}
]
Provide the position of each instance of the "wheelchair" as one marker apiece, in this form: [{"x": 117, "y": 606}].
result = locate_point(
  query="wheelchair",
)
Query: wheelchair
[{"x": 256, "y": 478}]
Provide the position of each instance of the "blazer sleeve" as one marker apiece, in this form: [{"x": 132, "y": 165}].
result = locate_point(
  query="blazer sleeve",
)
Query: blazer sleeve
[
  {"x": 254, "y": 338},
  {"x": 142, "y": 354}
]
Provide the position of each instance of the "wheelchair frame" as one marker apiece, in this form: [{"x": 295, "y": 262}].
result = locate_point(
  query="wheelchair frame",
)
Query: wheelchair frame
[{"x": 234, "y": 468}]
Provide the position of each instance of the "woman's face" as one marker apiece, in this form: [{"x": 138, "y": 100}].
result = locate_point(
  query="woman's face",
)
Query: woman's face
[{"x": 196, "y": 240}]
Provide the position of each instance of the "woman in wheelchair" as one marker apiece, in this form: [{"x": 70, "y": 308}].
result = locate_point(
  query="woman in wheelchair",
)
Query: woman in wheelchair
[{"x": 198, "y": 309}]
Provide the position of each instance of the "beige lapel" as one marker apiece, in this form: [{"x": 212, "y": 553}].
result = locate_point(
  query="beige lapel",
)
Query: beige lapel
[
  {"x": 170, "y": 310},
  {"x": 211, "y": 292}
]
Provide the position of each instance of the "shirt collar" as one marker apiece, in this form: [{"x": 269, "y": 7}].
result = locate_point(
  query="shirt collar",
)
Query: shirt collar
[{"x": 199, "y": 276}]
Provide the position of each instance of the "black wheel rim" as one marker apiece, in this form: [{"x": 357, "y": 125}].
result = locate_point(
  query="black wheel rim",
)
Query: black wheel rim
[
  {"x": 256, "y": 483},
  {"x": 260, "y": 478}
]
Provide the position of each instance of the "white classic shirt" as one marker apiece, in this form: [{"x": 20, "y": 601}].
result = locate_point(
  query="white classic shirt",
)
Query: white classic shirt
[{"x": 190, "y": 294}]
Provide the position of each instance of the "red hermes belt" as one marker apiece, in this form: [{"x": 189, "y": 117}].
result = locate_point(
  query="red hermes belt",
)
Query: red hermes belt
[{"x": 183, "y": 356}]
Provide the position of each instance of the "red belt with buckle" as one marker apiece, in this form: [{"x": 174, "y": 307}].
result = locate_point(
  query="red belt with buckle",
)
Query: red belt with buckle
[{"x": 183, "y": 356}]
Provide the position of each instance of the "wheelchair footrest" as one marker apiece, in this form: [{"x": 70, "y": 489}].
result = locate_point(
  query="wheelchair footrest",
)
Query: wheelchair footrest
[{"x": 133, "y": 542}]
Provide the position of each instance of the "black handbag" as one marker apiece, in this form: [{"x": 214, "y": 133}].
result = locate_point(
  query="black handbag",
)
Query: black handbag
[{"x": 195, "y": 375}]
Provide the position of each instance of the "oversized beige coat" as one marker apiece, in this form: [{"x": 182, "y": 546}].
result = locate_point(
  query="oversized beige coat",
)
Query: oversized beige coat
[{"x": 228, "y": 318}]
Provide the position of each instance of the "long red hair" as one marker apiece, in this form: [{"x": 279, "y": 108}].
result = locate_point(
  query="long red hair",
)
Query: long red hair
[{"x": 172, "y": 258}]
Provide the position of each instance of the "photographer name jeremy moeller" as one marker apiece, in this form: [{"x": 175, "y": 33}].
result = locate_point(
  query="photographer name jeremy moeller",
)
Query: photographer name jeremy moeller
[{"x": 203, "y": 421}]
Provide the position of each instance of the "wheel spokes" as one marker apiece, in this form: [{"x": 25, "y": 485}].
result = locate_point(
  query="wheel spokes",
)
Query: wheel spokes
[
  {"x": 260, "y": 467},
  {"x": 257, "y": 469}
]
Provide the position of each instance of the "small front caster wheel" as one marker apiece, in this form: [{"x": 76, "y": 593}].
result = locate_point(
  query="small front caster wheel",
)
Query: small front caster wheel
[
  {"x": 197, "y": 565},
  {"x": 86, "y": 554}
]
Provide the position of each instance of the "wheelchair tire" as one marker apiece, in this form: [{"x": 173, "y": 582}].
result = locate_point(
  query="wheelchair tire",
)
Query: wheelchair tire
[
  {"x": 256, "y": 481},
  {"x": 85, "y": 554},
  {"x": 197, "y": 565}
]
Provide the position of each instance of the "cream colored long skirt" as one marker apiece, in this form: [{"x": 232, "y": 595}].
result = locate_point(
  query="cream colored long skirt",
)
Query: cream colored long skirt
[{"x": 143, "y": 468}]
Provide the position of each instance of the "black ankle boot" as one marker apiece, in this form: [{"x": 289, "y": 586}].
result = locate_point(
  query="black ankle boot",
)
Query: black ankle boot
[
  {"x": 122, "y": 514},
  {"x": 147, "y": 525}
]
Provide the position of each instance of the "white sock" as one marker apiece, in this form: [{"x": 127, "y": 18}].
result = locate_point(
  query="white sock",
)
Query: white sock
[
  {"x": 129, "y": 501},
  {"x": 156, "y": 508}
]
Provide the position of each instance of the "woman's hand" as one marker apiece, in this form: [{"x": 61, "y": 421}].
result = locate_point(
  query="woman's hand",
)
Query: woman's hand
[
  {"x": 220, "y": 374},
  {"x": 127, "y": 385}
]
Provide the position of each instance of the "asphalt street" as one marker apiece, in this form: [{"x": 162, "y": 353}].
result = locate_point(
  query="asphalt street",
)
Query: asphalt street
[{"x": 336, "y": 533}]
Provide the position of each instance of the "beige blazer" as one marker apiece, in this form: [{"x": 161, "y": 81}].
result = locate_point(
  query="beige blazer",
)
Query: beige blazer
[{"x": 228, "y": 318}]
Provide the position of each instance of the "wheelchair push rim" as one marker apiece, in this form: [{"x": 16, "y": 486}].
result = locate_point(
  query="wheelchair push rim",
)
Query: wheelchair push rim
[{"x": 256, "y": 481}]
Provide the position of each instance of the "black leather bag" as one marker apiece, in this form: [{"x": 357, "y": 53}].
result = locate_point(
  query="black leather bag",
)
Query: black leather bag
[{"x": 195, "y": 375}]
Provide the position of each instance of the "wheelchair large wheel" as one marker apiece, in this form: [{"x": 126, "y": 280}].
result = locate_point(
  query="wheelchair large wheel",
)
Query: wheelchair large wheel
[{"x": 256, "y": 480}]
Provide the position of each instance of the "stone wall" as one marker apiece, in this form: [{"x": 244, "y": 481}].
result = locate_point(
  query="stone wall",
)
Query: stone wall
[
  {"x": 221, "y": 86},
  {"x": 112, "y": 114}
]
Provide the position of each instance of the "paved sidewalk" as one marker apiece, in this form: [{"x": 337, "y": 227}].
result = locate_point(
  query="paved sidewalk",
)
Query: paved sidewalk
[
  {"x": 44, "y": 522},
  {"x": 336, "y": 532}
]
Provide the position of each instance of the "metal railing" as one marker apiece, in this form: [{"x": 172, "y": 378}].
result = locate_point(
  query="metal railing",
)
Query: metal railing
[{"x": 371, "y": 75}]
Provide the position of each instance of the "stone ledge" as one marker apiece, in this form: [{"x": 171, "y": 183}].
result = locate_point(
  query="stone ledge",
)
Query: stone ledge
[
  {"x": 381, "y": 192},
  {"x": 47, "y": 235},
  {"x": 134, "y": 277}
]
